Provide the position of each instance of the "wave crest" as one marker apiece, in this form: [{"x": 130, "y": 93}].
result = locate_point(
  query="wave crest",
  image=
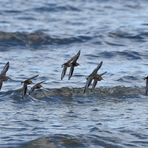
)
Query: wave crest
[
  {"x": 38, "y": 38},
  {"x": 102, "y": 92}
]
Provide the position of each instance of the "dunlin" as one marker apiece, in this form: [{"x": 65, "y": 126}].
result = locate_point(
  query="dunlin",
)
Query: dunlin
[
  {"x": 70, "y": 63},
  {"x": 36, "y": 86},
  {"x": 26, "y": 83},
  {"x": 91, "y": 76}
]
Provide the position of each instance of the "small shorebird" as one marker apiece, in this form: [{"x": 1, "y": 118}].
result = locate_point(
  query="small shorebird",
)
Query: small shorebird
[
  {"x": 26, "y": 83},
  {"x": 3, "y": 76},
  {"x": 70, "y": 63},
  {"x": 36, "y": 86},
  {"x": 146, "y": 78},
  {"x": 94, "y": 76},
  {"x": 91, "y": 76}
]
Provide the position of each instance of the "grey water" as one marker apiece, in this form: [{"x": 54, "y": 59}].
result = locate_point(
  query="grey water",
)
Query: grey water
[{"x": 37, "y": 37}]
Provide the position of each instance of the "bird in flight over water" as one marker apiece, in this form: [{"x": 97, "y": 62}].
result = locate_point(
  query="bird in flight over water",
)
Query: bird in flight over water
[
  {"x": 26, "y": 83},
  {"x": 36, "y": 86},
  {"x": 94, "y": 77},
  {"x": 72, "y": 63},
  {"x": 3, "y": 76}
]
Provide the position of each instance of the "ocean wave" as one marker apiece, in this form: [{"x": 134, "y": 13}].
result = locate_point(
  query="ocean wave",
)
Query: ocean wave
[
  {"x": 80, "y": 141},
  {"x": 38, "y": 38},
  {"x": 127, "y": 35},
  {"x": 102, "y": 92},
  {"x": 55, "y": 141},
  {"x": 126, "y": 54},
  {"x": 56, "y": 8},
  {"x": 113, "y": 43}
]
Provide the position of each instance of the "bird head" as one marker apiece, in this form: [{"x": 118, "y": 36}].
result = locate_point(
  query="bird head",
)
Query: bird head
[{"x": 29, "y": 82}]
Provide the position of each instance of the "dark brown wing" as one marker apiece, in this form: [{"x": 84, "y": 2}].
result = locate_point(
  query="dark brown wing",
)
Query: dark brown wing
[
  {"x": 71, "y": 72},
  {"x": 24, "y": 89},
  {"x": 41, "y": 82},
  {"x": 35, "y": 86},
  {"x": 5, "y": 69},
  {"x": 88, "y": 82},
  {"x": 38, "y": 85},
  {"x": 63, "y": 71},
  {"x": 75, "y": 58},
  {"x": 94, "y": 84},
  {"x": 1, "y": 83},
  {"x": 33, "y": 77},
  {"x": 29, "y": 79},
  {"x": 97, "y": 68},
  {"x": 103, "y": 73}
]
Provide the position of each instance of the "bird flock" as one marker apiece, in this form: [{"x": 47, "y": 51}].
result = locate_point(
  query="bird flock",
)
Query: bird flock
[{"x": 93, "y": 78}]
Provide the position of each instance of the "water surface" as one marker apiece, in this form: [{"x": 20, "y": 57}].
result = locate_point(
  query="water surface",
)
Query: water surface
[{"x": 37, "y": 37}]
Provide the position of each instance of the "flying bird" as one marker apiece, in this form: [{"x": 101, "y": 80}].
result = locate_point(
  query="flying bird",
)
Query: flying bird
[
  {"x": 36, "y": 86},
  {"x": 72, "y": 63},
  {"x": 26, "y": 83},
  {"x": 93, "y": 76},
  {"x": 3, "y": 76}
]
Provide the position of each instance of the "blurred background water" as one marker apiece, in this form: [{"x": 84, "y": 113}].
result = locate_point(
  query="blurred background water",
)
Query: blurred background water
[{"x": 37, "y": 37}]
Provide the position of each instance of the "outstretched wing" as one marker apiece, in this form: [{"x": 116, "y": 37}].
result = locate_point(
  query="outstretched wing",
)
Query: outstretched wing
[
  {"x": 90, "y": 77},
  {"x": 1, "y": 83},
  {"x": 97, "y": 68},
  {"x": 63, "y": 71},
  {"x": 29, "y": 79},
  {"x": 33, "y": 77},
  {"x": 35, "y": 86},
  {"x": 41, "y": 82},
  {"x": 75, "y": 58},
  {"x": 38, "y": 85},
  {"x": 88, "y": 82},
  {"x": 24, "y": 89},
  {"x": 103, "y": 73},
  {"x": 5, "y": 69},
  {"x": 94, "y": 84},
  {"x": 71, "y": 72}
]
